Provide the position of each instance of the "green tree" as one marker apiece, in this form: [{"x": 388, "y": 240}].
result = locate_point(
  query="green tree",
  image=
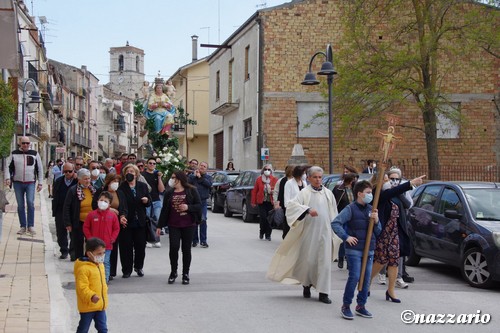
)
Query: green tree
[
  {"x": 8, "y": 110},
  {"x": 393, "y": 53}
]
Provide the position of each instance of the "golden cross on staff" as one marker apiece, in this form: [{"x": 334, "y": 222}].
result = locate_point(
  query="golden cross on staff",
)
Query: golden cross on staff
[{"x": 386, "y": 146}]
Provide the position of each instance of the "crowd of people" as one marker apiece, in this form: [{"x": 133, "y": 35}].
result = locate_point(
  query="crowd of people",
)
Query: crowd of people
[
  {"x": 322, "y": 225},
  {"x": 118, "y": 208}
]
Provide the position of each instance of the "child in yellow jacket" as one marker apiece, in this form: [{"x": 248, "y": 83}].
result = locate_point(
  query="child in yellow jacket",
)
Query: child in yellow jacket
[{"x": 91, "y": 287}]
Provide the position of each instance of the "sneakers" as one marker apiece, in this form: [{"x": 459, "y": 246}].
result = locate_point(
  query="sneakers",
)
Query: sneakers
[
  {"x": 361, "y": 311},
  {"x": 195, "y": 244},
  {"x": 205, "y": 245},
  {"x": 162, "y": 232},
  {"x": 400, "y": 283},
  {"x": 149, "y": 245},
  {"x": 185, "y": 278},
  {"x": 21, "y": 231},
  {"x": 346, "y": 312},
  {"x": 381, "y": 279},
  {"x": 31, "y": 231},
  {"x": 157, "y": 244}
]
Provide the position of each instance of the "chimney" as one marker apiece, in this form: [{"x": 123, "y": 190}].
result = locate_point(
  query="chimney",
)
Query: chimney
[{"x": 194, "y": 40}]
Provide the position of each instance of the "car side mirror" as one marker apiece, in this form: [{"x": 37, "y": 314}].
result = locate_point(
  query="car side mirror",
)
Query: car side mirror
[{"x": 452, "y": 214}]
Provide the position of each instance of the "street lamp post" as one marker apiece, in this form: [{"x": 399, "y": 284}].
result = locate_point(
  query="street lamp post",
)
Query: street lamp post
[
  {"x": 35, "y": 98},
  {"x": 310, "y": 79}
]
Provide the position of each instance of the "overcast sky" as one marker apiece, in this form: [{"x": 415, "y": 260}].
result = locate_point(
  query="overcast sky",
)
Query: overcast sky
[{"x": 82, "y": 32}]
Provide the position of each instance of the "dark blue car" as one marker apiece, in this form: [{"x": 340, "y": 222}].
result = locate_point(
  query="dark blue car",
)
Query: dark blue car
[{"x": 458, "y": 223}]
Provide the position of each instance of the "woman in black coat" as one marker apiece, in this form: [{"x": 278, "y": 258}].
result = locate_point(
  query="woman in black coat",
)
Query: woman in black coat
[
  {"x": 181, "y": 212},
  {"x": 132, "y": 238}
]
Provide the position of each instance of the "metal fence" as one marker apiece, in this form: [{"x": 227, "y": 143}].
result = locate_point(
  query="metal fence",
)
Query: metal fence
[{"x": 456, "y": 173}]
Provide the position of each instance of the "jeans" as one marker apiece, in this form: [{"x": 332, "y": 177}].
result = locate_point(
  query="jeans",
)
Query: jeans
[
  {"x": 176, "y": 236},
  {"x": 156, "y": 205},
  {"x": 354, "y": 259},
  {"x": 99, "y": 318},
  {"x": 29, "y": 189},
  {"x": 203, "y": 226},
  {"x": 107, "y": 264}
]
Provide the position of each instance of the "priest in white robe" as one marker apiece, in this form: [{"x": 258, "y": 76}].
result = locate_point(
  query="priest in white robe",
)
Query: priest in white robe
[{"x": 305, "y": 256}]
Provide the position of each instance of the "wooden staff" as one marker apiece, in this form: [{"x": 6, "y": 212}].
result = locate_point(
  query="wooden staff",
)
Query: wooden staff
[{"x": 369, "y": 232}]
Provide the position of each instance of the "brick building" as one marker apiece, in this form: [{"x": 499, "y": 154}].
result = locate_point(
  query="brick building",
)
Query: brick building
[{"x": 257, "y": 99}]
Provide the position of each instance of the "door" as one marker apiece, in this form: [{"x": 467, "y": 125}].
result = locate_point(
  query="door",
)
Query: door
[{"x": 219, "y": 150}]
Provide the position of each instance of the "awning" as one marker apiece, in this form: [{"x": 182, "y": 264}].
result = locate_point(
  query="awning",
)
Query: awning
[{"x": 8, "y": 36}]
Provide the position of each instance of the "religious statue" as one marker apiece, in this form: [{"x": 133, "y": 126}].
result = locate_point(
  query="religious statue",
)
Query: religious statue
[
  {"x": 388, "y": 142},
  {"x": 145, "y": 90},
  {"x": 169, "y": 89},
  {"x": 160, "y": 109}
]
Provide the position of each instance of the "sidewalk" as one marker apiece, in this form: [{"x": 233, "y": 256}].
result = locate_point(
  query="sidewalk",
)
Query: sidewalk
[{"x": 31, "y": 296}]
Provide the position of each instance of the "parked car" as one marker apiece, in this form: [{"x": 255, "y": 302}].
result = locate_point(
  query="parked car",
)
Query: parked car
[
  {"x": 239, "y": 195},
  {"x": 458, "y": 223},
  {"x": 220, "y": 183},
  {"x": 330, "y": 180}
]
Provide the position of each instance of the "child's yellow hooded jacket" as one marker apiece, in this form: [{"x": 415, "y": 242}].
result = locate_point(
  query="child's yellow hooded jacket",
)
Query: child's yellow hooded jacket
[{"x": 90, "y": 279}]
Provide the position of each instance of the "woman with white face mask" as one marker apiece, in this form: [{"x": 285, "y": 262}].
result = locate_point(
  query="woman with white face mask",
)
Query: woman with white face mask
[
  {"x": 262, "y": 195},
  {"x": 393, "y": 242},
  {"x": 117, "y": 206},
  {"x": 295, "y": 185},
  {"x": 181, "y": 212}
]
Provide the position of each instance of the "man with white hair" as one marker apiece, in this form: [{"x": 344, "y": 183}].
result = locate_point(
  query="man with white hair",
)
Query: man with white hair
[
  {"x": 24, "y": 166},
  {"x": 108, "y": 163}
]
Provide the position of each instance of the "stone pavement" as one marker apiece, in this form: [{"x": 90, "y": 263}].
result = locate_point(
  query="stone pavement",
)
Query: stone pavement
[{"x": 31, "y": 297}]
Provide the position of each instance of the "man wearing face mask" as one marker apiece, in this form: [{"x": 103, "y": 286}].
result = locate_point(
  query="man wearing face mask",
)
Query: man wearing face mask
[
  {"x": 393, "y": 242},
  {"x": 61, "y": 187},
  {"x": 371, "y": 167},
  {"x": 203, "y": 183},
  {"x": 95, "y": 175},
  {"x": 293, "y": 187}
]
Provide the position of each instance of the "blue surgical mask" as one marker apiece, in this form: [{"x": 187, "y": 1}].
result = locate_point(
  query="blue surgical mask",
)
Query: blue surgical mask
[{"x": 368, "y": 198}]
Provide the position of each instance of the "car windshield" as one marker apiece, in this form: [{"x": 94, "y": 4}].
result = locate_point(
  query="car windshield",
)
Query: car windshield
[
  {"x": 484, "y": 203},
  {"x": 230, "y": 178}
]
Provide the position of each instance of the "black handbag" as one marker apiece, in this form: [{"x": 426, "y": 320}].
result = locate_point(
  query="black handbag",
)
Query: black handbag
[
  {"x": 151, "y": 225},
  {"x": 276, "y": 217}
]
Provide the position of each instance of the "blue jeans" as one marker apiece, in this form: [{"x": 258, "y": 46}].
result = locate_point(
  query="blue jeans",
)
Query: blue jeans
[
  {"x": 107, "y": 264},
  {"x": 21, "y": 190},
  {"x": 203, "y": 225},
  {"x": 156, "y": 205},
  {"x": 354, "y": 259},
  {"x": 99, "y": 318}
]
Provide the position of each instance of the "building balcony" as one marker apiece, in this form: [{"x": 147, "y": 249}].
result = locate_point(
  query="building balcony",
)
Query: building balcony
[{"x": 81, "y": 116}]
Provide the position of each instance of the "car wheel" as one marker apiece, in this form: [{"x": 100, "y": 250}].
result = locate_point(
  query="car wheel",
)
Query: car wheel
[
  {"x": 215, "y": 207},
  {"x": 413, "y": 259},
  {"x": 475, "y": 269},
  {"x": 227, "y": 213},
  {"x": 247, "y": 217}
]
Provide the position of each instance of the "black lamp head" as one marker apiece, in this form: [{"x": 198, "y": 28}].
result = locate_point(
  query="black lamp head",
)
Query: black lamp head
[
  {"x": 310, "y": 79},
  {"x": 327, "y": 69}
]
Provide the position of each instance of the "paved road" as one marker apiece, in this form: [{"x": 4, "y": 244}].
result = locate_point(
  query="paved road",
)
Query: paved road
[{"x": 229, "y": 293}]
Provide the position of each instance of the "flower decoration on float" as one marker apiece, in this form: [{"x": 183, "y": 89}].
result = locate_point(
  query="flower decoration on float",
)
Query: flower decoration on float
[{"x": 169, "y": 159}]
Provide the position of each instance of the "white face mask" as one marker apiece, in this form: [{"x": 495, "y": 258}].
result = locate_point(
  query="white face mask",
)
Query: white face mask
[
  {"x": 99, "y": 259},
  {"x": 96, "y": 172},
  {"x": 267, "y": 173},
  {"x": 171, "y": 182},
  {"x": 103, "y": 205},
  {"x": 113, "y": 186}
]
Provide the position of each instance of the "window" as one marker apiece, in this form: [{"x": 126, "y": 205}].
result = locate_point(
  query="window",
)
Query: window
[
  {"x": 429, "y": 197},
  {"x": 449, "y": 200},
  {"x": 230, "y": 143},
  {"x": 120, "y": 63},
  {"x": 137, "y": 63},
  {"x": 448, "y": 121},
  {"x": 247, "y": 53},
  {"x": 101, "y": 137},
  {"x": 247, "y": 125},
  {"x": 230, "y": 82},
  {"x": 217, "y": 86}
]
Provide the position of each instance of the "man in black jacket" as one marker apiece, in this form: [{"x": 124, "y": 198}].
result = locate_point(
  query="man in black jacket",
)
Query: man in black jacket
[
  {"x": 203, "y": 183},
  {"x": 61, "y": 186}
]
